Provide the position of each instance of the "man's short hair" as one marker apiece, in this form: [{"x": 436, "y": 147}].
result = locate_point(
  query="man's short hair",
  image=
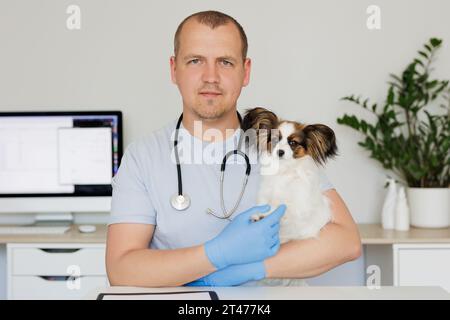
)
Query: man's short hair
[{"x": 212, "y": 19}]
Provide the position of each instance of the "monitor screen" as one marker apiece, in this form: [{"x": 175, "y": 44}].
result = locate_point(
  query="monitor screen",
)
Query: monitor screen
[{"x": 52, "y": 154}]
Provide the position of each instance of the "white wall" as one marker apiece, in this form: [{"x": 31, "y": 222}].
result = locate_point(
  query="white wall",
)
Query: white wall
[{"x": 306, "y": 55}]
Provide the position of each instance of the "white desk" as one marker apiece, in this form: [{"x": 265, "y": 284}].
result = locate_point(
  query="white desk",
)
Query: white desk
[
  {"x": 297, "y": 293},
  {"x": 419, "y": 257},
  {"x": 54, "y": 266}
]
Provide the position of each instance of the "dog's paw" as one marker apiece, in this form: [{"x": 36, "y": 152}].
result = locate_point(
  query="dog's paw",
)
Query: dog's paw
[{"x": 257, "y": 216}]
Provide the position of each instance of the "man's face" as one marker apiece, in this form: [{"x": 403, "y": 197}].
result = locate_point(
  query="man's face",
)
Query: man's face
[{"x": 209, "y": 69}]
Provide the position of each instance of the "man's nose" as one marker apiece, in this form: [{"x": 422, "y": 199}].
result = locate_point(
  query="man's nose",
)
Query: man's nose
[
  {"x": 210, "y": 73},
  {"x": 280, "y": 153}
]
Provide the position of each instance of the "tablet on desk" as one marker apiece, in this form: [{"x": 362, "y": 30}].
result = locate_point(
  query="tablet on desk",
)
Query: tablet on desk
[{"x": 181, "y": 295}]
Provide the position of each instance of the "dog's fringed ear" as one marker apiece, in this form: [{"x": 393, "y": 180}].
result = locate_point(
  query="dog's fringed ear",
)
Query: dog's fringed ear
[
  {"x": 259, "y": 118},
  {"x": 320, "y": 142},
  {"x": 261, "y": 122}
]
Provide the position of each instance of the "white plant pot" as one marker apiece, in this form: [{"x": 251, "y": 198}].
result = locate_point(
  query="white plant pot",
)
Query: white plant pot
[{"x": 429, "y": 207}]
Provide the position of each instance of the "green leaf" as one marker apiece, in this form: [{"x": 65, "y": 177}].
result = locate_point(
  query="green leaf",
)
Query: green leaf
[
  {"x": 365, "y": 103},
  {"x": 395, "y": 85},
  {"x": 364, "y": 126},
  {"x": 396, "y": 78},
  {"x": 431, "y": 84},
  {"x": 434, "y": 160},
  {"x": 431, "y": 122},
  {"x": 423, "y": 54},
  {"x": 373, "y": 131},
  {"x": 390, "y": 97},
  {"x": 419, "y": 62},
  {"x": 435, "y": 42}
]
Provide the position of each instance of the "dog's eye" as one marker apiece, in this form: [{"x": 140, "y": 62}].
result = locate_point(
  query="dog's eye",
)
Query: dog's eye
[{"x": 293, "y": 143}]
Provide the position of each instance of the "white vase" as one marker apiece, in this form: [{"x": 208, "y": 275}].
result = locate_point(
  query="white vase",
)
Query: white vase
[
  {"x": 388, "y": 212},
  {"x": 429, "y": 207},
  {"x": 402, "y": 211}
]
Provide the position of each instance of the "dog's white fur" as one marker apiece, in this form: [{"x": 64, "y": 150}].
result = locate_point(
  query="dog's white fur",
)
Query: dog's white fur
[{"x": 296, "y": 183}]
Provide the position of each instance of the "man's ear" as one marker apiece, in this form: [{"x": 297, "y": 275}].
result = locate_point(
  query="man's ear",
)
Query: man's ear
[
  {"x": 247, "y": 69},
  {"x": 173, "y": 69},
  {"x": 320, "y": 142}
]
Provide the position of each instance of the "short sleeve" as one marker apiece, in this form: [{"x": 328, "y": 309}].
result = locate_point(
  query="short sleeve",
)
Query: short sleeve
[
  {"x": 325, "y": 183},
  {"x": 130, "y": 198}
]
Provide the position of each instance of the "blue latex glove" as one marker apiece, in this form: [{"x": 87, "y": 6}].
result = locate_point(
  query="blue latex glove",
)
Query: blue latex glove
[
  {"x": 244, "y": 241},
  {"x": 232, "y": 276}
]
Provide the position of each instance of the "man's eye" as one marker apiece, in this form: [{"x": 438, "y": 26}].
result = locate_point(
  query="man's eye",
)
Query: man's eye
[
  {"x": 194, "y": 61},
  {"x": 227, "y": 63}
]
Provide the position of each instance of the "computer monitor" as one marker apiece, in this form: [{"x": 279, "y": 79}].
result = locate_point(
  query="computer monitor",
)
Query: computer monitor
[{"x": 58, "y": 162}]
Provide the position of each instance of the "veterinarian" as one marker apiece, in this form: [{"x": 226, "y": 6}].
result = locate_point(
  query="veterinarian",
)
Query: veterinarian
[{"x": 150, "y": 243}]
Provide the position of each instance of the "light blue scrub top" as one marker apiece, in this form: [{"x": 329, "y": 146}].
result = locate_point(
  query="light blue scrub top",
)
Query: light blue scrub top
[{"x": 147, "y": 178}]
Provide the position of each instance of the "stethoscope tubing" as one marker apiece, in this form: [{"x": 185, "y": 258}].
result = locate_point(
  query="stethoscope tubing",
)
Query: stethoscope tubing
[{"x": 181, "y": 202}]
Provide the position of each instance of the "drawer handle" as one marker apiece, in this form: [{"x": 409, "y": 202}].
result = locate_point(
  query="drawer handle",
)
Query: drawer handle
[
  {"x": 59, "y": 278},
  {"x": 62, "y": 250}
]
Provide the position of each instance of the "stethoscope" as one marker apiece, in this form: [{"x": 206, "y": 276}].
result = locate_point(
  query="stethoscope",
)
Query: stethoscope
[{"x": 182, "y": 201}]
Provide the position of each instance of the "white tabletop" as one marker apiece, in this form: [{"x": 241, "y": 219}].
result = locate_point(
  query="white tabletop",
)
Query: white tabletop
[
  {"x": 370, "y": 234},
  {"x": 296, "y": 293}
]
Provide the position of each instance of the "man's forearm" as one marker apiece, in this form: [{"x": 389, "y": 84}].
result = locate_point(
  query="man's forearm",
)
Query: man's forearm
[
  {"x": 158, "y": 268},
  {"x": 311, "y": 257}
]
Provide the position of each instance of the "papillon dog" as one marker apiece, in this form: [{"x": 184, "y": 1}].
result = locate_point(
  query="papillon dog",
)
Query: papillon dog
[{"x": 290, "y": 155}]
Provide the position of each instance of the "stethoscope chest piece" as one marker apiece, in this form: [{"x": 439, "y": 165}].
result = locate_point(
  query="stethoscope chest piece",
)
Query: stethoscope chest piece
[{"x": 180, "y": 202}]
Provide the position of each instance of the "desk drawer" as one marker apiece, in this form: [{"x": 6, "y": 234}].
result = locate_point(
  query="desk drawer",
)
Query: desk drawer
[
  {"x": 34, "y": 287},
  {"x": 56, "y": 261},
  {"x": 423, "y": 266}
]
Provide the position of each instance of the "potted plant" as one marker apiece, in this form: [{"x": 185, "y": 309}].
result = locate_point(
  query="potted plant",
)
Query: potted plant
[{"x": 410, "y": 140}]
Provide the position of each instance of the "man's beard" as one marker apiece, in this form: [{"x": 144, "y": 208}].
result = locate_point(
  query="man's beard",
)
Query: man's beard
[{"x": 209, "y": 111}]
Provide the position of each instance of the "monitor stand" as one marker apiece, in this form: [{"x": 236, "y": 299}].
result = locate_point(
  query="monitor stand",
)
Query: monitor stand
[{"x": 53, "y": 219}]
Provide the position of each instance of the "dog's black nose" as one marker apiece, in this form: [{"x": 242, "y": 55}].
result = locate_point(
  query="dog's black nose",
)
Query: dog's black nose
[{"x": 280, "y": 153}]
